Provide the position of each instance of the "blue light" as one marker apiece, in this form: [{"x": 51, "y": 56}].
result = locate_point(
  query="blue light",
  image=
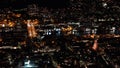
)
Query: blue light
[{"x": 29, "y": 65}]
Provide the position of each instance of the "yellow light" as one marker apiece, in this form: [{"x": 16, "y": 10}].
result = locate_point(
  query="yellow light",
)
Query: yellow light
[
  {"x": 69, "y": 28},
  {"x": 5, "y": 20},
  {"x": 18, "y": 15},
  {"x": 11, "y": 24},
  {"x": 25, "y": 21},
  {"x": 35, "y": 21},
  {"x": 93, "y": 36},
  {"x": 95, "y": 45},
  {"x": 31, "y": 28},
  {"x": 0, "y": 39}
]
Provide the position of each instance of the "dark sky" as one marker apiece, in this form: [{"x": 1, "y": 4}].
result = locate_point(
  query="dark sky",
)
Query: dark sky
[{"x": 24, "y": 3}]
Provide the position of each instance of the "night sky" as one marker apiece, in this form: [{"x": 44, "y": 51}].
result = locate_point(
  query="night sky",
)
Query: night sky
[{"x": 41, "y": 3}]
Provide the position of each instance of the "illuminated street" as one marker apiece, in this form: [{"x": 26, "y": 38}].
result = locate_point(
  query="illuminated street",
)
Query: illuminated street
[{"x": 59, "y": 34}]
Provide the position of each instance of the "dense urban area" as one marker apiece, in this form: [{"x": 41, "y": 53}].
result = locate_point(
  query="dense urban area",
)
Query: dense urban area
[{"x": 81, "y": 34}]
